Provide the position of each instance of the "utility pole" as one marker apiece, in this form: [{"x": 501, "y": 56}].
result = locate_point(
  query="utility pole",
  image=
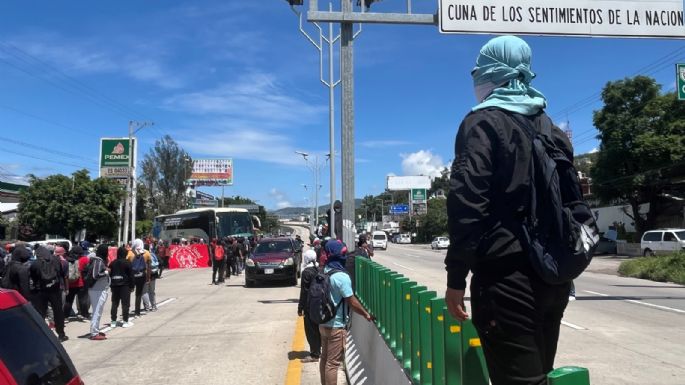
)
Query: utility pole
[
  {"x": 131, "y": 180},
  {"x": 316, "y": 169},
  {"x": 346, "y": 17}
]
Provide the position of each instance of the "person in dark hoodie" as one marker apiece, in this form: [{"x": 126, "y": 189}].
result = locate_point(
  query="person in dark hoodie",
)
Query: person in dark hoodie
[
  {"x": 97, "y": 281},
  {"x": 17, "y": 275},
  {"x": 77, "y": 265},
  {"x": 121, "y": 284},
  {"x": 46, "y": 273}
]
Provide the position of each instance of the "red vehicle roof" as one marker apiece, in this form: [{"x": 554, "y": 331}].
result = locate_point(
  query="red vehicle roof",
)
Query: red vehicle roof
[{"x": 10, "y": 299}]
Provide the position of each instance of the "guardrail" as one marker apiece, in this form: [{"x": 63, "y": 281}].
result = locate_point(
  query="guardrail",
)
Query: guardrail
[{"x": 432, "y": 347}]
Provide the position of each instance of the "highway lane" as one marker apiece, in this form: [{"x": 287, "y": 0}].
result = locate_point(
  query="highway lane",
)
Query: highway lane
[{"x": 625, "y": 330}]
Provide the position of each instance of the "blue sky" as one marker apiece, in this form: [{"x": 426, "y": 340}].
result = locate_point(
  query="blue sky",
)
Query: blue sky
[{"x": 236, "y": 79}]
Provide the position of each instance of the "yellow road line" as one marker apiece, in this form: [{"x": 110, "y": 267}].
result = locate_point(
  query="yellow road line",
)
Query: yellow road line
[{"x": 294, "y": 374}]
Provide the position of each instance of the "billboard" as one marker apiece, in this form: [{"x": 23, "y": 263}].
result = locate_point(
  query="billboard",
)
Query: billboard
[
  {"x": 115, "y": 158},
  {"x": 418, "y": 195},
  {"x": 635, "y": 18},
  {"x": 212, "y": 172},
  {"x": 403, "y": 183}
]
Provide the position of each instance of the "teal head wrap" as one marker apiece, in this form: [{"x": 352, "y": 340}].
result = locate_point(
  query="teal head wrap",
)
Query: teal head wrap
[{"x": 502, "y": 77}]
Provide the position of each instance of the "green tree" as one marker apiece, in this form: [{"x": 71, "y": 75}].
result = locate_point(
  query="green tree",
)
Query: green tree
[
  {"x": 642, "y": 149},
  {"x": 60, "y": 205},
  {"x": 434, "y": 223},
  {"x": 164, "y": 172}
]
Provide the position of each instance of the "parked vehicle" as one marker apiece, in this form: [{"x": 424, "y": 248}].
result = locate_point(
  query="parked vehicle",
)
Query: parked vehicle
[
  {"x": 440, "y": 243},
  {"x": 380, "y": 240},
  {"x": 271, "y": 260},
  {"x": 662, "y": 241},
  {"x": 58, "y": 242},
  {"x": 30, "y": 352}
]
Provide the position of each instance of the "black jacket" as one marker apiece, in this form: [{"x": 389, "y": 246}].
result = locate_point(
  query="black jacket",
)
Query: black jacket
[
  {"x": 489, "y": 189},
  {"x": 121, "y": 273},
  {"x": 17, "y": 272},
  {"x": 34, "y": 270},
  {"x": 308, "y": 276}
]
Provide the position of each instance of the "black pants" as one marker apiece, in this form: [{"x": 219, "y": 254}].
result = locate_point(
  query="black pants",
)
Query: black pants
[
  {"x": 121, "y": 294},
  {"x": 40, "y": 301},
  {"x": 518, "y": 318},
  {"x": 233, "y": 266},
  {"x": 311, "y": 330},
  {"x": 218, "y": 270},
  {"x": 82, "y": 294},
  {"x": 140, "y": 283}
]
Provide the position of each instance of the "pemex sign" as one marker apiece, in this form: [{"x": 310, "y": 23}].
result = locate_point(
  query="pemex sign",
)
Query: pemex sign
[
  {"x": 635, "y": 18},
  {"x": 115, "y": 158}
]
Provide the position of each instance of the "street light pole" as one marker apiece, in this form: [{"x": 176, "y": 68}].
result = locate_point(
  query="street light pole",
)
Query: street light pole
[{"x": 131, "y": 179}]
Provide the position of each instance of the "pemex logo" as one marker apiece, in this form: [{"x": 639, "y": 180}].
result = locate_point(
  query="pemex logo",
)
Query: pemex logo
[{"x": 118, "y": 149}]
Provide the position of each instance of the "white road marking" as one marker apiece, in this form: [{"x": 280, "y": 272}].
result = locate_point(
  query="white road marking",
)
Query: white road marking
[
  {"x": 166, "y": 301},
  {"x": 640, "y": 302},
  {"x": 572, "y": 326},
  {"x": 402, "y": 266}
]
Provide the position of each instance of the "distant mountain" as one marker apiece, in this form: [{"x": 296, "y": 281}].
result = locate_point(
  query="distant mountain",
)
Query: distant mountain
[{"x": 286, "y": 211}]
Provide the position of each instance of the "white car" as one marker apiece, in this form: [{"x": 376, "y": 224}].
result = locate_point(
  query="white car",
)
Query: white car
[
  {"x": 662, "y": 241},
  {"x": 440, "y": 243},
  {"x": 379, "y": 240},
  {"x": 404, "y": 238}
]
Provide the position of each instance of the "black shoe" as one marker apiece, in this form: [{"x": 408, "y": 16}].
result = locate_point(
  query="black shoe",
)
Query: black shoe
[{"x": 63, "y": 338}]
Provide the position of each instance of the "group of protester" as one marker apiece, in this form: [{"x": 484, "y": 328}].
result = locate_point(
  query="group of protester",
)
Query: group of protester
[
  {"x": 52, "y": 278},
  {"x": 227, "y": 257}
]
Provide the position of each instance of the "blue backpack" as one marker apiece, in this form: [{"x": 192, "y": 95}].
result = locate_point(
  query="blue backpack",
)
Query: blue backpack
[
  {"x": 138, "y": 266},
  {"x": 154, "y": 263},
  {"x": 559, "y": 231},
  {"x": 320, "y": 305}
]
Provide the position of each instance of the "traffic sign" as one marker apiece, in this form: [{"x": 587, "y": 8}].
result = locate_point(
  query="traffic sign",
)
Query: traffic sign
[
  {"x": 418, "y": 195},
  {"x": 680, "y": 80},
  {"x": 636, "y": 18},
  {"x": 399, "y": 209}
]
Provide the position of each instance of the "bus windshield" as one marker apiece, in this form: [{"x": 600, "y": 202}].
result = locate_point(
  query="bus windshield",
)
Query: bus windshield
[
  {"x": 188, "y": 226},
  {"x": 234, "y": 224}
]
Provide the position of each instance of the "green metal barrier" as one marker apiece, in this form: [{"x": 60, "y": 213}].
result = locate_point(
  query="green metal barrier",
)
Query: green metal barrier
[{"x": 432, "y": 347}]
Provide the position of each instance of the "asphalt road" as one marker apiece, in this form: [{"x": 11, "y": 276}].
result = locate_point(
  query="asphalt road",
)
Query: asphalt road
[
  {"x": 625, "y": 330},
  {"x": 201, "y": 334}
]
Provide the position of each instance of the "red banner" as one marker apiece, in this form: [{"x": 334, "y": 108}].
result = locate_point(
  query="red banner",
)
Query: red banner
[{"x": 188, "y": 257}]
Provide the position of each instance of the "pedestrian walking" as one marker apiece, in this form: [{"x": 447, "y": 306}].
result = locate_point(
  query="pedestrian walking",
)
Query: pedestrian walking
[
  {"x": 333, "y": 333},
  {"x": 77, "y": 263},
  {"x": 97, "y": 280},
  {"x": 218, "y": 262},
  {"x": 121, "y": 284},
  {"x": 17, "y": 276},
  {"x": 517, "y": 313},
  {"x": 311, "y": 329},
  {"x": 237, "y": 253},
  {"x": 59, "y": 253},
  {"x": 46, "y": 273},
  {"x": 140, "y": 265}
]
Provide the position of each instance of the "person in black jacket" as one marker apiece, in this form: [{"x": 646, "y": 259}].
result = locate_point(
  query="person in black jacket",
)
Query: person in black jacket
[
  {"x": 311, "y": 329},
  {"x": 48, "y": 292},
  {"x": 121, "y": 276},
  {"x": 516, "y": 314},
  {"x": 17, "y": 275}
]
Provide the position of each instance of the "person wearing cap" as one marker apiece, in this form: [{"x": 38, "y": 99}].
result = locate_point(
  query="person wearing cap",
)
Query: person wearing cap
[
  {"x": 333, "y": 332},
  {"x": 516, "y": 314}
]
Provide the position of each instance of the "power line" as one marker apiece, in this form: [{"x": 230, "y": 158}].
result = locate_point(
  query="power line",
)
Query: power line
[
  {"x": 52, "y": 122},
  {"x": 48, "y": 150},
  {"x": 47, "y": 160}
]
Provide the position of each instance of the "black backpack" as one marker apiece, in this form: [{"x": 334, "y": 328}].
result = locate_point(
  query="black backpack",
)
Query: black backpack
[
  {"x": 49, "y": 278},
  {"x": 88, "y": 278},
  {"x": 321, "y": 307},
  {"x": 560, "y": 230}
]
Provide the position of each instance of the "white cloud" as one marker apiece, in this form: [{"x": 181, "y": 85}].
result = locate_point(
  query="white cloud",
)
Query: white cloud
[
  {"x": 382, "y": 143},
  {"x": 280, "y": 198},
  {"x": 422, "y": 162},
  {"x": 594, "y": 150},
  {"x": 90, "y": 56},
  {"x": 563, "y": 125},
  {"x": 255, "y": 97}
]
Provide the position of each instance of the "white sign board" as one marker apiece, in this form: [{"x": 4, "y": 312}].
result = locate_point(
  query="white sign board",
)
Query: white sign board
[
  {"x": 629, "y": 18},
  {"x": 401, "y": 183}
]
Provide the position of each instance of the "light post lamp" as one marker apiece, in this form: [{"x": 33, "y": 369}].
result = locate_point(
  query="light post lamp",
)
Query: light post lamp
[{"x": 316, "y": 169}]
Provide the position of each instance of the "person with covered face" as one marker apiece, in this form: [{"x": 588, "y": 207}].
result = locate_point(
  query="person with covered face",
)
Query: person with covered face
[
  {"x": 311, "y": 330},
  {"x": 140, "y": 265},
  {"x": 98, "y": 281},
  {"x": 516, "y": 313},
  {"x": 333, "y": 333},
  {"x": 46, "y": 273},
  {"x": 17, "y": 275}
]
